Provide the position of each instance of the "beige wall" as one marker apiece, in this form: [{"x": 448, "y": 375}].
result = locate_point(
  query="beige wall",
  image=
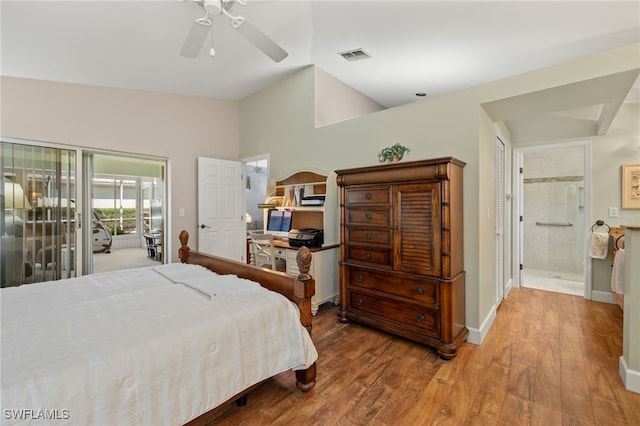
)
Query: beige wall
[
  {"x": 280, "y": 120},
  {"x": 335, "y": 101},
  {"x": 179, "y": 128}
]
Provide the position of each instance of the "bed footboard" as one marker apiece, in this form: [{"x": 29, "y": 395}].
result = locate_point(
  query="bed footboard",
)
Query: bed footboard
[{"x": 298, "y": 289}]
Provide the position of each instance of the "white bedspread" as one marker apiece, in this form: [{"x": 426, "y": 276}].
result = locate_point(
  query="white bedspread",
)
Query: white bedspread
[{"x": 146, "y": 346}]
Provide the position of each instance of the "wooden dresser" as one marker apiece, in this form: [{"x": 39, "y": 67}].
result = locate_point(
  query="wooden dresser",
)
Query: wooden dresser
[{"x": 401, "y": 249}]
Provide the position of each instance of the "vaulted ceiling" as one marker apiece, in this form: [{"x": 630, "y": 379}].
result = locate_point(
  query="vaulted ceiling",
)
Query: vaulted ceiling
[{"x": 414, "y": 46}]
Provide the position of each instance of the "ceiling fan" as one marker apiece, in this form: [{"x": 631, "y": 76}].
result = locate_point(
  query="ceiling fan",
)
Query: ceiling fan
[{"x": 202, "y": 25}]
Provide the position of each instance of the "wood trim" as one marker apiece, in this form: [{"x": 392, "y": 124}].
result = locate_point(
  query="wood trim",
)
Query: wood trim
[
  {"x": 299, "y": 178},
  {"x": 399, "y": 172}
]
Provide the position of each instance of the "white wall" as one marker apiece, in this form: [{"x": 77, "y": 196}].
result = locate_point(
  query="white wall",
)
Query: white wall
[{"x": 180, "y": 128}]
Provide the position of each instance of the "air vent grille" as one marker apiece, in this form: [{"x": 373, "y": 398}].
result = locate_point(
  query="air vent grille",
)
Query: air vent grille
[{"x": 354, "y": 55}]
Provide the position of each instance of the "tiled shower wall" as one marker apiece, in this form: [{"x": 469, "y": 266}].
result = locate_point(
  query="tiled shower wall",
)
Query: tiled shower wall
[{"x": 554, "y": 211}]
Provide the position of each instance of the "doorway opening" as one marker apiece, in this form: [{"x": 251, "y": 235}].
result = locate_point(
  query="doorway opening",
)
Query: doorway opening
[
  {"x": 127, "y": 199},
  {"x": 256, "y": 171},
  {"x": 553, "y": 190}
]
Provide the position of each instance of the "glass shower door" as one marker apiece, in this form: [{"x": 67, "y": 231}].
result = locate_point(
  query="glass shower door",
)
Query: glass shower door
[{"x": 554, "y": 220}]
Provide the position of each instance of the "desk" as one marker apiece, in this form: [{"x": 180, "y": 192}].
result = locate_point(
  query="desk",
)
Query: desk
[{"x": 324, "y": 270}]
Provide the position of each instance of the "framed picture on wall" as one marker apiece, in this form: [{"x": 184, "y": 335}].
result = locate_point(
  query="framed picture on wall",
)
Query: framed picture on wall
[{"x": 631, "y": 186}]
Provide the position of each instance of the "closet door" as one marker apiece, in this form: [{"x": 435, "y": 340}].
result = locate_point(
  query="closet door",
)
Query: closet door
[{"x": 417, "y": 238}]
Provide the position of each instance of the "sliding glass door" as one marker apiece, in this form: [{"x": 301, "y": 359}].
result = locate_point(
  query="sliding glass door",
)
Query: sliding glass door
[
  {"x": 37, "y": 214},
  {"x": 127, "y": 200},
  {"x": 60, "y": 217}
]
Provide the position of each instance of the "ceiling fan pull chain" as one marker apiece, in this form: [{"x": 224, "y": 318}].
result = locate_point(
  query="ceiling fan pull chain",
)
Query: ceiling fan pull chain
[{"x": 212, "y": 51}]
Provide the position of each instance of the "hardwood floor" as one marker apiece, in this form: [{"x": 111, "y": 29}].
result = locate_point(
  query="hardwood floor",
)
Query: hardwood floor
[{"x": 550, "y": 359}]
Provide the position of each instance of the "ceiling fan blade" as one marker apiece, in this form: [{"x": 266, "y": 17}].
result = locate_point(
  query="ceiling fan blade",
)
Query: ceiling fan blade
[
  {"x": 261, "y": 41},
  {"x": 194, "y": 41}
]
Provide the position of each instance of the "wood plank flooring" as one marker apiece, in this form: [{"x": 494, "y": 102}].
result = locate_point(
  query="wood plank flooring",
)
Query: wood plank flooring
[{"x": 549, "y": 359}]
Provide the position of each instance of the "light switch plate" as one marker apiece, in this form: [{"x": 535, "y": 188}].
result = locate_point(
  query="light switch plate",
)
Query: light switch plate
[{"x": 613, "y": 212}]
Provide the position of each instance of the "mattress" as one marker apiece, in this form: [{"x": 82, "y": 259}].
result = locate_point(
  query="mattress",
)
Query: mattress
[{"x": 156, "y": 345}]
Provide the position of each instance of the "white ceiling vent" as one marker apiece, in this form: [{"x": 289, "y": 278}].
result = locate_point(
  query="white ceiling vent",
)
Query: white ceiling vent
[{"x": 354, "y": 55}]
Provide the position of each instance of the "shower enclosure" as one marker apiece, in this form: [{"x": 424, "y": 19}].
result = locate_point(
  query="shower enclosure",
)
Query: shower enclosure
[{"x": 553, "y": 219}]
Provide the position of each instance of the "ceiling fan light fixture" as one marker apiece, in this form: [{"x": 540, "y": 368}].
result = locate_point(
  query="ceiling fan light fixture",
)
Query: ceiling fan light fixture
[
  {"x": 200, "y": 28},
  {"x": 236, "y": 21},
  {"x": 205, "y": 21},
  {"x": 213, "y": 7}
]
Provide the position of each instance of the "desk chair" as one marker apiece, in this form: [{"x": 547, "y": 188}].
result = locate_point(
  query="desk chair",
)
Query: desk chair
[
  {"x": 154, "y": 245},
  {"x": 151, "y": 247},
  {"x": 263, "y": 252}
]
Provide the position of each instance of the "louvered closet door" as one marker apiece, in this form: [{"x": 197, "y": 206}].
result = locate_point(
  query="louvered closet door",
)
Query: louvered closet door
[{"x": 417, "y": 238}]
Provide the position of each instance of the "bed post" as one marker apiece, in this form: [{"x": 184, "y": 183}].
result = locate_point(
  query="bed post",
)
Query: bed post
[
  {"x": 304, "y": 289},
  {"x": 183, "y": 251}
]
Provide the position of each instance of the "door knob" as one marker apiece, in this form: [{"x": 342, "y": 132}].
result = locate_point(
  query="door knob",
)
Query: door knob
[{"x": 204, "y": 226}]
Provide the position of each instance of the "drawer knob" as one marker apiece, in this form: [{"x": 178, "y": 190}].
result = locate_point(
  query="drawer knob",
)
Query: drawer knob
[
  {"x": 420, "y": 318},
  {"x": 367, "y": 236},
  {"x": 367, "y": 195},
  {"x": 367, "y": 256},
  {"x": 367, "y": 216},
  {"x": 359, "y": 301},
  {"x": 420, "y": 290},
  {"x": 359, "y": 278}
]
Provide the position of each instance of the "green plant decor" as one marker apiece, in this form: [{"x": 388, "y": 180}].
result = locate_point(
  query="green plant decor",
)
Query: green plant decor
[{"x": 393, "y": 153}]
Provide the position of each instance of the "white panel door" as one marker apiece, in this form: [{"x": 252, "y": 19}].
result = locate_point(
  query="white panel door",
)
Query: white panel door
[{"x": 221, "y": 216}]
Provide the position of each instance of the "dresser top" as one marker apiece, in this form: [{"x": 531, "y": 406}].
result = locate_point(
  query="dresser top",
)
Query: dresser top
[{"x": 437, "y": 168}]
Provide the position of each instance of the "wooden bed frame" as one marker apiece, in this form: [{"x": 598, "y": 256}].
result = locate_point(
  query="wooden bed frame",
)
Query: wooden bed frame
[{"x": 298, "y": 289}]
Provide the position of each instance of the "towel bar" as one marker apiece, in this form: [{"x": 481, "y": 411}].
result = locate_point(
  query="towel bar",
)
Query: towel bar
[
  {"x": 600, "y": 222},
  {"x": 554, "y": 223}
]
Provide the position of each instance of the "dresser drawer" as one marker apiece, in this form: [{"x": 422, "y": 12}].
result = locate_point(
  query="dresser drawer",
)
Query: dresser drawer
[
  {"x": 368, "y": 235},
  {"x": 378, "y": 195},
  {"x": 420, "y": 318},
  {"x": 381, "y": 217},
  {"x": 376, "y": 256},
  {"x": 424, "y": 291}
]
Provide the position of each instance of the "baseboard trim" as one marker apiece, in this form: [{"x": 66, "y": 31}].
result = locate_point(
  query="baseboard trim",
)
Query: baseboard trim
[
  {"x": 508, "y": 288},
  {"x": 477, "y": 336},
  {"x": 603, "y": 296},
  {"x": 630, "y": 378}
]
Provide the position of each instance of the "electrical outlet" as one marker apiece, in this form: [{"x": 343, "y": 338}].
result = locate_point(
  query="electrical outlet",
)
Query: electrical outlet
[{"x": 613, "y": 212}]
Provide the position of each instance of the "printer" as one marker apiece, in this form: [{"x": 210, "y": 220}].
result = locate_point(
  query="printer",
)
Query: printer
[{"x": 307, "y": 237}]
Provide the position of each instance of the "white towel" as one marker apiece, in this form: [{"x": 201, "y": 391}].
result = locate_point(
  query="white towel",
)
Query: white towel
[
  {"x": 617, "y": 274},
  {"x": 599, "y": 245}
]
